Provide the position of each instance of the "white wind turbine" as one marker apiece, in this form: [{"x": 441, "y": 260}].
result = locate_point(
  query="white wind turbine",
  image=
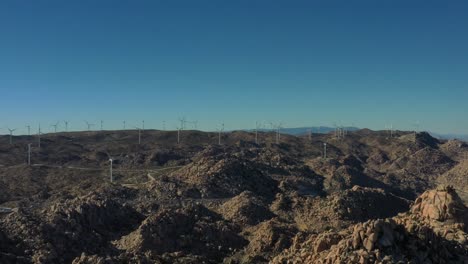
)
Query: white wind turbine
[
  {"x": 182, "y": 121},
  {"x": 220, "y": 130},
  {"x": 278, "y": 137},
  {"x": 89, "y": 125},
  {"x": 178, "y": 134},
  {"x": 11, "y": 134},
  {"x": 258, "y": 125},
  {"x": 139, "y": 135},
  {"x": 29, "y": 154},
  {"x": 39, "y": 136},
  {"x": 55, "y": 127},
  {"x": 110, "y": 169}
]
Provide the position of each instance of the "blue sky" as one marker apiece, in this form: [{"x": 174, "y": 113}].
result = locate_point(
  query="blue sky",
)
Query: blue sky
[{"x": 367, "y": 63}]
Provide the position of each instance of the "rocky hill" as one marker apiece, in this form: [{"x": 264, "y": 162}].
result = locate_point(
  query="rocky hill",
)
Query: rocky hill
[
  {"x": 433, "y": 231},
  {"x": 372, "y": 199}
]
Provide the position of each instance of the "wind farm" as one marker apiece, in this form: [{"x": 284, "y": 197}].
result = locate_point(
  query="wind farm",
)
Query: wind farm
[
  {"x": 234, "y": 132},
  {"x": 215, "y": 171}
]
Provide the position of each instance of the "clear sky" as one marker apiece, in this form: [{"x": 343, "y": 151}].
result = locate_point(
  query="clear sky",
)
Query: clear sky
[{"x": 367, "y": 63}]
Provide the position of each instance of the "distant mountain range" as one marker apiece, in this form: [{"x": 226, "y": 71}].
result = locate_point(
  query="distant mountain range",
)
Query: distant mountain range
[
  {"x": 297, "y": 131},
  {"x": 450, "y": 136}
]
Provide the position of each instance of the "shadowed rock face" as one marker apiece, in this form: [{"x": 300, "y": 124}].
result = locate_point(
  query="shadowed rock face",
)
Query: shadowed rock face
[
  {"x": 246, "y": 209},
  {"x": 218, "y": 174},
  {"x": 194, "y": 230},
  {"x": 360, "y": 204}
]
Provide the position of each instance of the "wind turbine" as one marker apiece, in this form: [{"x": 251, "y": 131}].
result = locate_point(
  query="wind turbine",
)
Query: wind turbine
[
  {"x": 124, "y": 124},
  {"x": 39, "y": 136},
  {"x": 178, "y": 135},
  {"x": 89, "y": 125},
  {"x": 55, "y": 127},
  {"x": 276, "y": 127},
  {"x": 102, "y": 125},
  {"x": 29, "y": 154},
  {"x": 273, "y": 129},
  {"x": 29, "y": 129},
  {"x": 110, "y": 170},
  {"x": 278, "y": 137},
  {"x": 257, "y": 126},
  {"x": 164, "y": 125},
  {"x": 139, "y": 135},
  {"x": 220, "y": 130},
  {"x": 66, "y": 125},
  {"x": 11, "y": 134},
  {"x": 182, "y": 121},
  {"x": 195, "y": 124},
  {"x": 143, "y": 124}
]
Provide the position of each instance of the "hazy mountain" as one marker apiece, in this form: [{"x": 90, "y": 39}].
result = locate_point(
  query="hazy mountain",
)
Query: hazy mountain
[{"x": 296, "y": 131}]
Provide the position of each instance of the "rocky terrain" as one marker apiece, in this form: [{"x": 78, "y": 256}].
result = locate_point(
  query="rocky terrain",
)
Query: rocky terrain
[{"x": 372, "y": 199}]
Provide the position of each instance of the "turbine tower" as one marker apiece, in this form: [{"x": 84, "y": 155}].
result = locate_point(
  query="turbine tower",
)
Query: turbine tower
[
  {"x": 11, "y": 134},
  {"x": 194, "y": 123},
  {"x": 55, "y": 127},
  {"x": 124, "y": 125},
  {"x": 89, "y": 125},
  {"x": 178, "y": 135},
  {"x": 66, "y": 125},
  {"x": 110, "y": 170},
  {"x": 278, "y": 129},
  {"x": 102, "y": 125},
  {"x": 220, "y": 130},
  {"x": 29, "y": 129},
  {"x": 182, "y": 121},
  {"x": 257, "y": 126},
  {"x": 139, "y": 135},
  {"x": 39, "y": 137},
  {"x": 29, "y": 154}
]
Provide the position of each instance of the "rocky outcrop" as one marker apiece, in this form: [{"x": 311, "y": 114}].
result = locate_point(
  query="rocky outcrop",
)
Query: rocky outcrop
[
  {"x": 246, "y": 209},
  {"x": 361, "y": 203},
  {"x": 222, "y": 175},
  {"x": 194, "y": 230},
  {"x": 67, "y": 229},
  {"x": 433, "y": 231},
  {"x": 265, "y": 240}
]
